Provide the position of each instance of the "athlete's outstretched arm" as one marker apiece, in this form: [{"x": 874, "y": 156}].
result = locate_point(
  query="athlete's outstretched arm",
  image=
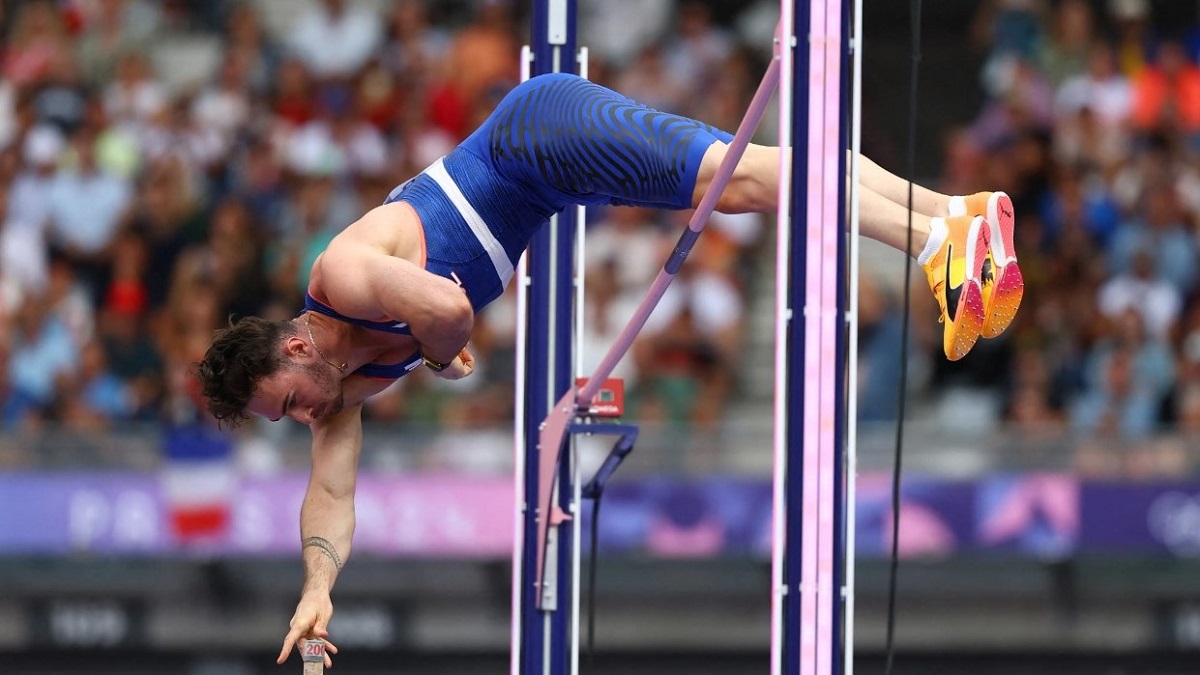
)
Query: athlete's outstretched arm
[{"x": 326, "y": 522}]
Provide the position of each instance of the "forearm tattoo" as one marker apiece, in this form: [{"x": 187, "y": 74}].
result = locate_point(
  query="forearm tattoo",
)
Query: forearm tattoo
[{"x": 323, "y": 544}]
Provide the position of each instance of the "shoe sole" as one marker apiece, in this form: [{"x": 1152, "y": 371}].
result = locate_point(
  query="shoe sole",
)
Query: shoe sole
[
  {"x": 1008, "y": 283},
  {"x": 1007, "y": 290},
  {"x": 968, "y": 325},
  {"x": 969, "y": 317}
]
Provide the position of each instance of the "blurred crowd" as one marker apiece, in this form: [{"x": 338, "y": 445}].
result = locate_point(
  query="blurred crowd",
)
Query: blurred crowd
[
  {"x": 165, "y": 166},
  {"x": 1091, "y": 122}
]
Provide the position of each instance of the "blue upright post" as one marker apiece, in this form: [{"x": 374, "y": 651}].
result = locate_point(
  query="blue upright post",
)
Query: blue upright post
[
  {"x": 794, "y": 485},
  {"x": 796, "y": 335},
  {"x": 545, "y": 638}
]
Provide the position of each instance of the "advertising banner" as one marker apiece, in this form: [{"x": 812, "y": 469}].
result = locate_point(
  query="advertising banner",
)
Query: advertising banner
[{"x": 1039, "y": 515}]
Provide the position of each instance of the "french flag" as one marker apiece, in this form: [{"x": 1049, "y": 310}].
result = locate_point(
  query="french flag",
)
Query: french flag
[{"x": 198, "y": 481}]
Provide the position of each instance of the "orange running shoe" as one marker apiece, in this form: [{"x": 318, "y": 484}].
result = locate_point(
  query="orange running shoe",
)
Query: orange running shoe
[
  {"x": 954, "y": 275},
  {"x": 1003, "y": 284}
]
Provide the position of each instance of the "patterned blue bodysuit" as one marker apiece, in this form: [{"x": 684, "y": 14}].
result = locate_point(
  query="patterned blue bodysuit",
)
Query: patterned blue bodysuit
[{"x": 554, "y": 141}]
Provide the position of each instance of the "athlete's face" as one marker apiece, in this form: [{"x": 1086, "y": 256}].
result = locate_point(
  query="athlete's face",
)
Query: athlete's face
[{"x": 304, "y": 392}]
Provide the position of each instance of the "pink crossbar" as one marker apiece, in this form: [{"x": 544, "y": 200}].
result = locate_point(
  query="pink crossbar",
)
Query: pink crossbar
[{"x": 552, "y": 434}]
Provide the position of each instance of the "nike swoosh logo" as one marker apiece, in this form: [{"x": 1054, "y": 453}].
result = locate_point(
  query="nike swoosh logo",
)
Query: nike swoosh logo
[{"x": 953, "y": 293}]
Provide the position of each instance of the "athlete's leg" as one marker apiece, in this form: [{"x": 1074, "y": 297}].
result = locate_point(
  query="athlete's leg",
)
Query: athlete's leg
[
  {"x": 895, "y": 188},
  {"x": 951, "y": 250},
  {"x": 754, "y": 187},
  {"x": 572, "y": 141},
  {"x": 754, "y": 183},
  {"x": 1002, "y": 282},
  {"x": 885, "y": 221}
]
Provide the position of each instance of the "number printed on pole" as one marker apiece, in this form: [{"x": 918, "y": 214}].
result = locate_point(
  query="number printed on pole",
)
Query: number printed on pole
[{"x": 313, "y": 650}]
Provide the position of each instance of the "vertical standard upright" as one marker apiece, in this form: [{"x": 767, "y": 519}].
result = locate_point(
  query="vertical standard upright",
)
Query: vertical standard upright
[
  {"x": 809, "y": 558},
  {"x": 543, "y": 632}
]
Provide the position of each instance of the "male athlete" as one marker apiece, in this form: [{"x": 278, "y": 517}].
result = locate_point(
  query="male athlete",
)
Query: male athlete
[{"x": 400, "y": 287}]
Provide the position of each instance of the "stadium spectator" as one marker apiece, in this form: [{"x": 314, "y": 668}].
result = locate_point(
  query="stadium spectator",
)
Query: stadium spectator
[
  {"x": 86, "y": 207},
  {"x": 109, "y": 31},
  {"x": 134, "y": 96},
  {"x": 1166, "y": 94},
  {"x": 37, "y": 41},
  {"x": 335, "y": 38},
  {"x": 1159, "y": 229},
  {"x": 1128, "y": 378},
  {"x": 42, "y": 350},
  {"x": 1065, "y": 50}
]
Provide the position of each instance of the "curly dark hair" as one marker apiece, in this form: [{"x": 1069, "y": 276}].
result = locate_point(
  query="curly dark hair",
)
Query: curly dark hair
[{"x": 239, "y": 358}]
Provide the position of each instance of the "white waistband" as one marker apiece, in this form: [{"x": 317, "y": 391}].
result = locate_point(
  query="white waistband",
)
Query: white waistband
[{"x": 504, "y": 269}]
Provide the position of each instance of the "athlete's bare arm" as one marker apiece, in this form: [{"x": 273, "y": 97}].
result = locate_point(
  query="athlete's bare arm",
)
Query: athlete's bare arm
[
  {"x": 328, "y": 509},
  {"x": 365, "y": 275},
  {"x": 326, "y": 520}
]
